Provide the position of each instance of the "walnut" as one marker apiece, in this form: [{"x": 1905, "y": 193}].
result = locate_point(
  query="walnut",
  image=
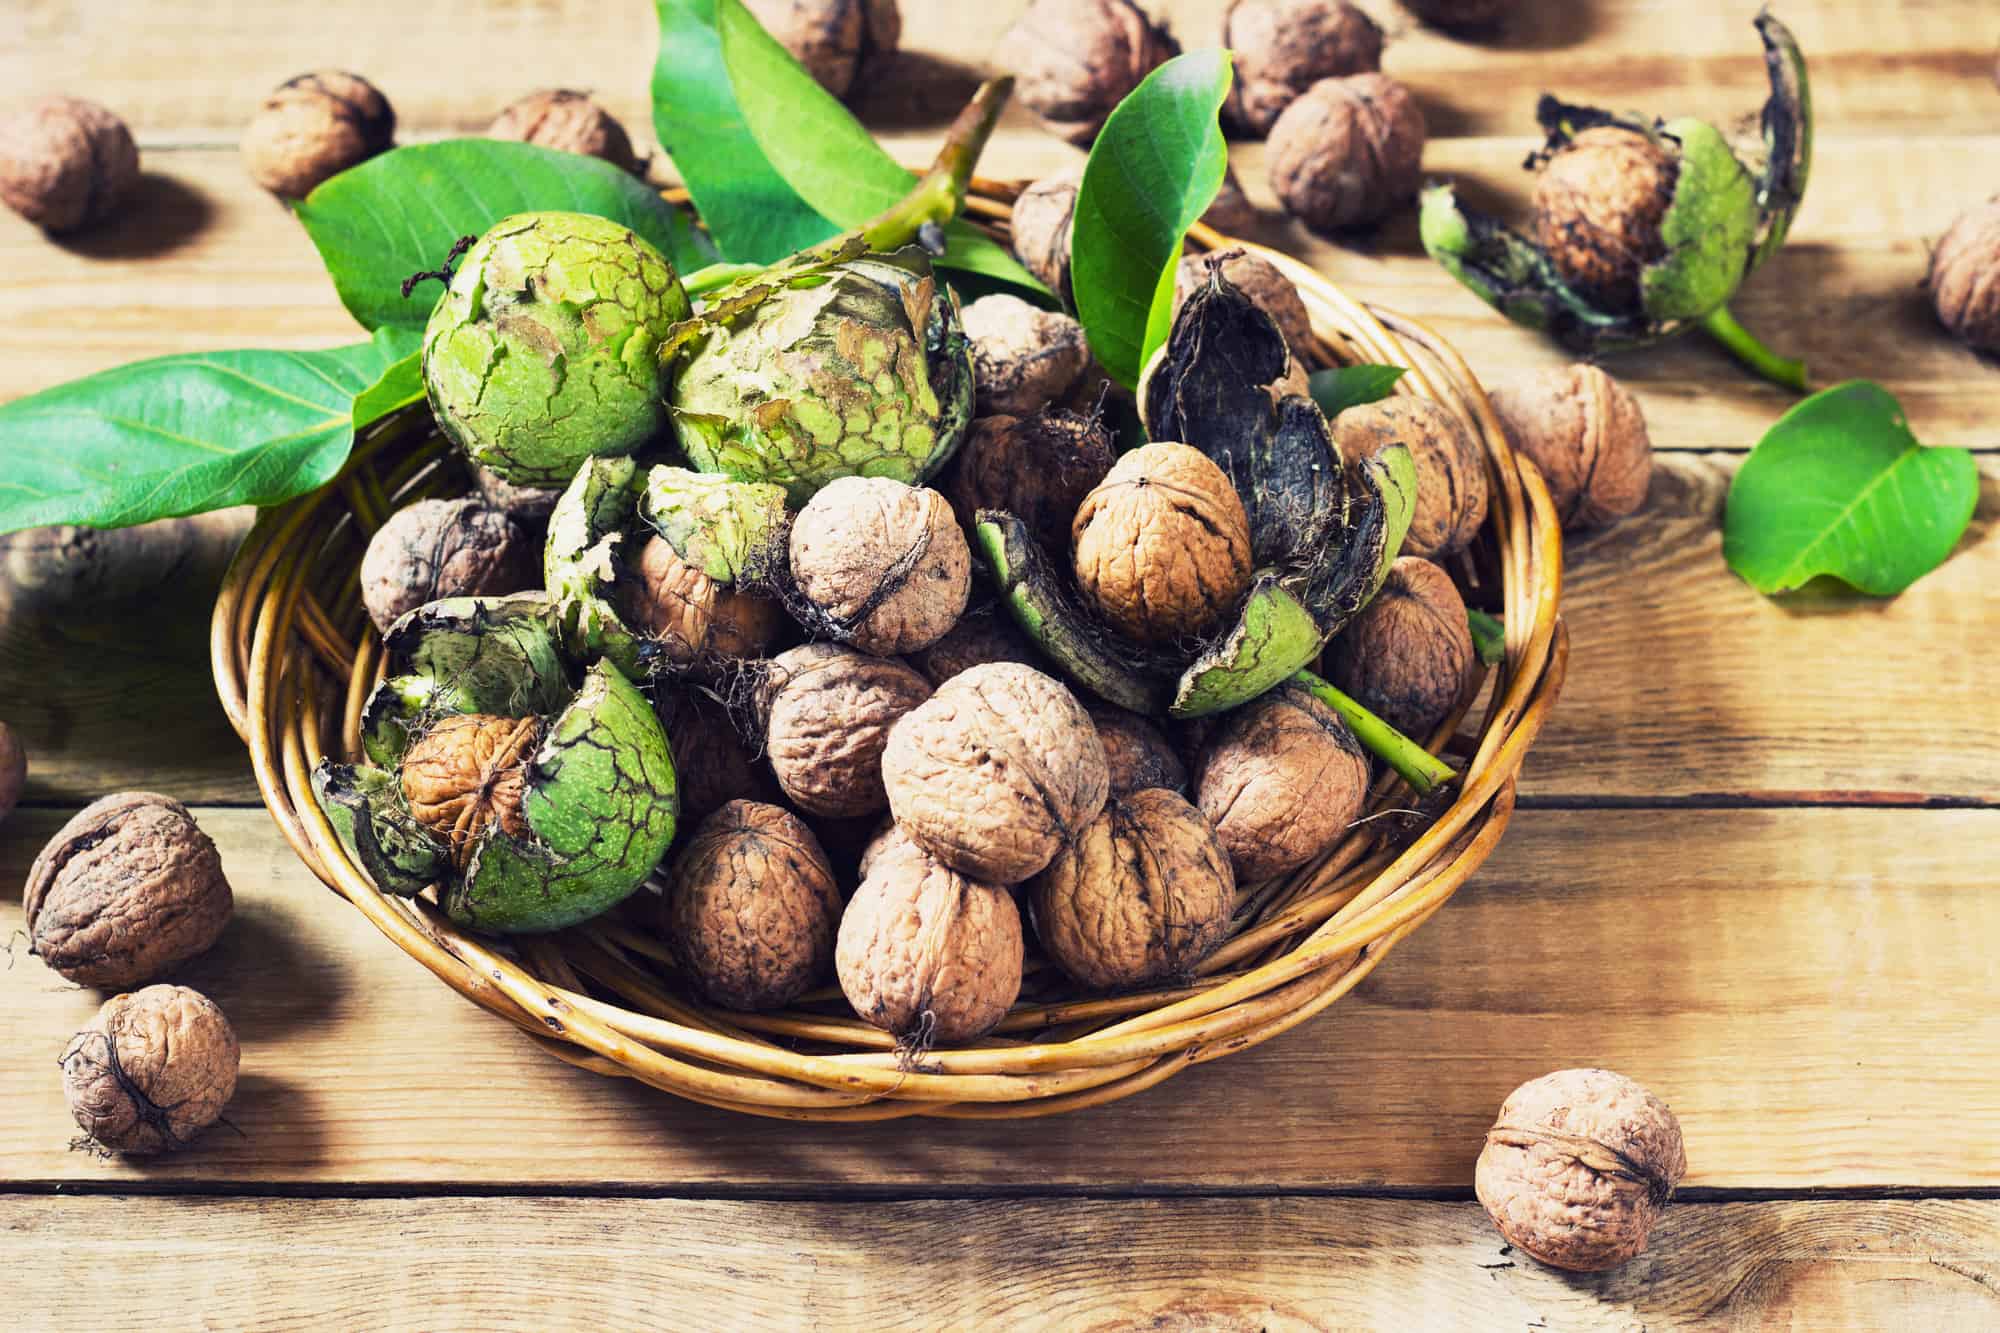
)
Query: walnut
[
  {"x": 570, "y": 121},
  {"x": 1231, "y": 212},
  {"x": 984, "y": 634},
  {"x": 1281, "y": 781},
  {"x": 66, "y": 163},
  {"x": 1144, "y": 894},
  {"x": 126, "y": 890},
  {"x": 838, "y": 41},
  {"x": 468, "y": 773},
  {"x": 828, "y": 715},
  {"x": 68, "y": 567},
  {"x": 750, "y": 907},
  {"x": 1076, "y": 60},
  {"x": 1598, "y": 206},
  {"x": 524, "y": 504},
  {"x": 885, "y": 564},
  {"x": 1406, "y": 657},
  {"x": 1043, "y": 217},
  {"x": 713, "y": 763},
  {"x": 1587, "y": 435},
  {"x": 443, "y": 548},
  {"x": 314, "y": 127},
  {"x": 1348, "y": 151},
  {"x": 1284, "y": 47},
  {"x": 1964, "y": 279},
  {"x": 695, "y": 620},
  {"x": 1023, "y": 357},
  {"x": 925, "y": 952},
  {"x": 1037, "y": 468},
  {"x": 151, "y": 1071},
  {"x": 1136, "y": 752},
  {"x": 1579, "y": 1166},
  {"x": 1162, "y": 545},
  {"x": 996, "y": 772},
  {"x": 1451, "y": 467},
  {"x": 1259, "y": 280},
  {"x": 13, "y": 770},
  {"x": 1459, "y": 13}
]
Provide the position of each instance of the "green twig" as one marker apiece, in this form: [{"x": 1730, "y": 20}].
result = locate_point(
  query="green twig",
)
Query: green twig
[
  {"x": 1743, "y": 345},
  {"x": 1414, "y": 764},
  {"x": 940, "y": 194}
]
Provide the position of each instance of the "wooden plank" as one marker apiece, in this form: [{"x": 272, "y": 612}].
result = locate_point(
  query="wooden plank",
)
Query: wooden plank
[
  {"x": 1279, "y": 1264},
  {"x": 1809, "y": 989}
]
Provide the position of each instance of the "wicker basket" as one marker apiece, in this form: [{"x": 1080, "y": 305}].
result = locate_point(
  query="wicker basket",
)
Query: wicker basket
[{"x": 295, "y": 657}]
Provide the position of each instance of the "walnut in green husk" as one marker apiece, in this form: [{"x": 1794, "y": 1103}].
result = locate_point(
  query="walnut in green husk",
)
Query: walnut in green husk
[
  {"x": 1964, "y": 279},
  {"x": 1451, "y": 467},
  {"x": 314, "y": 127},
  {"x": 66, "y": 164},
  {"x": 1599, "y": 202},
  {"x": 151, "y": 1071},
  {"x": 883, "y": 566},
  {"x": 570, "y": 121},
  {"x": 442, "y": 548},
  {"x": 1348, "y": 151},
  {"x": 1037, "y": 468},
  {"x": 1284, "y": 47},
  {"x": 693, "y": 619},
  {"x": 828, "y": 712},
  {"x": 838, "y": 41},
  {"x": 1406, "y": 657},
  {"x": 1076, "y": 60},
  {"x": 1023, "y": 357},
  {"x": 1586, "y": 433},
  {"x": 1258, "y": 279},
  {"x": 1281, "y": 780}
]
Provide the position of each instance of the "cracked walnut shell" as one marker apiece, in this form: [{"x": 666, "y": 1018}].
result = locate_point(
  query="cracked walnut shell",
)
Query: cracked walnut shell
[
  {"x": 151, "y": 1071},
  {"x": 828, "y": 713}
]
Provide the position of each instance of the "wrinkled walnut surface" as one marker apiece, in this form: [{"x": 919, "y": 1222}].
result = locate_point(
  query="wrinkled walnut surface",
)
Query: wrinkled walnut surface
[
  {"x": 1965, "y": 278},
  {"x": 1037, "y": 468},
  {"x": 1259, "y": 280},
  {"x": 124, "y": 891},
  {"x": 443, "y": 548},
  {"x": 1578, "y": 1167},
  {"x": 1023, "y": 357},
  {"x": 1587, "y": 434},
  {"x": 996, "y": 772},
  {"x": 1076, "y": 60},
  {"x": 1598, "y": 206},
  {"x": 1347, "y": 151},
  {"x": 13, "y": 770},
  {"x": 314, "y": 127},
  {"x": 1406, "y": 657},
  {"x": 983, "y": 634},
  {"x": 829, "y": 714},
  {"x": 713, "y": 763},
  {"x": 570, "y": 121},
  {"x": 886, "y": 563},
  {"x": 66, "y": 163},
  {"x": 1281, "y": 781},
  {"x": 1042, "y": 222},
  {"x": 837, "y": 41},
  {"x": 468, "y": 773},
  {"x": 1284, "y": 47},
  {"x": 1452, "y": 493},
  {"x": 151, "y": 1071},
  {"x": 1136, "y": 752}
]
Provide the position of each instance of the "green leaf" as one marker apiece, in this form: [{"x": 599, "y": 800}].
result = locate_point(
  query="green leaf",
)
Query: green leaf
[
  {"x": 1152, "y": 173},
  {"x": 1343, "y": 387},
  {"x": 1839, "y": 486},
  {"x": 186, "y": 434},
  {"x": 400, "y": 214}
]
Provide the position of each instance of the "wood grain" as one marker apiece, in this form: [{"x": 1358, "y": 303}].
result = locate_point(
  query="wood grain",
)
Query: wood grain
[
  {"x": 1238, "y": 1264},
  {"x": 1795, "y": 982}
]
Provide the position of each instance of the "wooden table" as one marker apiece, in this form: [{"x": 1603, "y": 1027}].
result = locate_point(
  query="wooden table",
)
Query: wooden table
[{"x": 1754, "y": 864}]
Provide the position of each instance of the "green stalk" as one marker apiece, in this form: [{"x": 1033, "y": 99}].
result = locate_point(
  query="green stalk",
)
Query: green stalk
[
  {"x": 1743, "y": 345},
  {"x": 717, "y": 276},
  {"x": 1412, "y": 762},
  {"x": 940, "y": 194}
]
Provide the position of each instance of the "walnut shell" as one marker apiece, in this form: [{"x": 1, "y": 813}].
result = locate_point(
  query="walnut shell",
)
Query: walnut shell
[
  {"x": 314, "y": 127},
  {"x": 13, "y": 770},
  {"x": 468, "y": 773},
  {"x": 1259, "y": 280},
  {"x": 1023, "y": 357},
  {"x": 1037, "y": 468},
  {"x": 828, "y": 716},
  {"x": 926, "y": 953},
  {"x": 886, "y": 564},
  {"x": 1281, "y": 781},
  {"x": 996, "y": 772},
  {"x": 984, "y": 634},
  {"x": 1144, "y": 894},
  {"x": 524, "y": 504},
  {"x": 1579, "y": 1166},
  {"x": 127, "y": 889},
  {"x": 1162, "y": 545},
  {"x": 443, "y": 548},
  {"x": 1043, "y": 217},
  {"x": 713, "y": 763},
  {"x": 750, "y": 907},
  {"x": 1231, "y": 212},
  {"x": 694, "y": 620},
  {"x": 1598, "y": 205},
  {"x": 1459, "y": 13},
  {"x": 1074, "y": 61},
  {"x": 1348, "y": 151},
  {"x": 838, "y": 41},
  {"x": 151, "y": 1071},
  {"x": 1284, "y": 47},
  {"x": 1964, "y": 278},
  {"x": 1586, "y": 433},
  {"x": 570, "y": 121},
  {"x": 1451, "y": 468},
  {"x": 1137, "y": 753},
  {"x": 66, "y": 163},
  {"x": 1406, "y": 657}
]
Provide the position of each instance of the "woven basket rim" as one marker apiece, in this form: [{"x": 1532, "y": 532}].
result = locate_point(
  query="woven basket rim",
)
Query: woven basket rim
[{"x": 293, "y": 658}]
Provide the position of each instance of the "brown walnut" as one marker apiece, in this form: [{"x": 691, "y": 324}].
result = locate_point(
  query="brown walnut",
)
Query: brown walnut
[
  {"x": 443, "y": 548},
  {"x": 1284, "y": 47},
  {"x": 1023, "y": 357},
  {"x": 1459, "y": 13},
  {"x": 695, "y": 620},
  {"x": 1037, "y": 468},
  {"x": 983, "y": 634},
  {"x": 1259, "y": 280},
  {"x": 1348, "y": 151},
  {"x": 1162, "y": 545},
  {"x": 1231, "y": 213},
  {"x": 838, "y": 41},
  {"x": 1137, "y": 753},
  {"x": 151, "y": 1071},
  {"x": 1451, "y": 468},
  {"x": 1143, "y": 895},
  {"x": 925, "y": 952},
  {"x": 469, "y": 773},
  {"x": 1043, "y": 217},
  {"x": 524, "y": 504},
  {"x": 314, "y": 127},
  {"x": 126, "y": 890},
  {"x": 885, "y": 565},
  {"x": 1281, "y": 781},
  {"x": 996, "y": 772},
  {"x": 570, "y": 121},
  {"x": 828, "y": 714},
  {"x": 1076, "y": 60},
  {"x": 1598, "y": 206},
  {"x": 13, "y": 770},
  {"x": 1406, "y": 657},
  {"x": 713, "y": 763},
  {"x": 66, "y": 163},
  {"x": 750, "y": 907},
  {"x": 1586, "y": 433},
  {"x": 1964, "y": 278},
  {"x": 1579, "y": 1166}
]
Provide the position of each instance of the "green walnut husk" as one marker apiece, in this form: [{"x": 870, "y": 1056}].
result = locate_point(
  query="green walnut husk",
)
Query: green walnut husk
[
  {"x": 732, "y": 531},
  {"x": 1727, "y": 215},
  {"x": 1323, "y": 533},
  {"x": 544, "y": 349},
  {"x": 599, "y": 800},
  {"x": 855, "y": 368}
]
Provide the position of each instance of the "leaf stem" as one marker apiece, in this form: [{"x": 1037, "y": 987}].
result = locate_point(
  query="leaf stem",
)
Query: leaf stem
[
  {"x": 717, "y": 276},
  {"x": 940, "y": 194},
  {"x": 1743, "y": 345},
  {"x": 1412, "y": 762}
]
